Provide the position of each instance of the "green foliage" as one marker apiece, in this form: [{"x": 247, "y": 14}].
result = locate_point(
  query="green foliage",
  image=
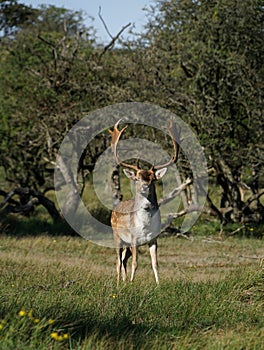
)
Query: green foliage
[
  {"x": 14, "y": 16},
  {"x": 208, "y": 57},
  {"x": 41, "y": 74}
]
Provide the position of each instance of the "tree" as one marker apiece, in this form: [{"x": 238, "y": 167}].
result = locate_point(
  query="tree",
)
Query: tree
[
  {"x": 41, "y": 93},
  {"x": 52, "y": 74},
  {"x": 14, "y": 16},
  {"x": 203, "y": 60}
]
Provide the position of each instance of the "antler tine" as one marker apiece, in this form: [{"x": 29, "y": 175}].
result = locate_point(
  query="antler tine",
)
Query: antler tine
[
  {"x": 116, "y": 134},
  {"x": 175, "y": 136}
]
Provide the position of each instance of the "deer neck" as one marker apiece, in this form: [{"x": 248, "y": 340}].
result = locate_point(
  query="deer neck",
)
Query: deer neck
[{"x": 146, "y": 201}]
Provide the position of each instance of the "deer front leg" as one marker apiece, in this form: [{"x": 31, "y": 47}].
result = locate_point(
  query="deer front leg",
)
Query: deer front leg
[
  {"x": 134, "y": 251},
  {"x": 125, "y": 256},
  {"x": 153, "y": 248}
]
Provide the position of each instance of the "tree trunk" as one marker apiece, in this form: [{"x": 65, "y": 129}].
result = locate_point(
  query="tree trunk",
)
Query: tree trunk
[
  {"x": 72, "y": 199},
  {"x": 231, "y": 196},
  {"x": 232, "y": 206},
  {"x": 115, "y": 184}
]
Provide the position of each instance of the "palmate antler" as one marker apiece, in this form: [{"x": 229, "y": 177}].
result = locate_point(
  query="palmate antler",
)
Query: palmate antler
[
  {"x": 174, "y": 134},
  {"x": 115, "y": 138},
  {"x": 175, "y": 137}
]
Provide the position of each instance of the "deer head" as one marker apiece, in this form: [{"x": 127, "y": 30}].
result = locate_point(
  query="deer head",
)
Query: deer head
[{"x": 155, "y": 172}]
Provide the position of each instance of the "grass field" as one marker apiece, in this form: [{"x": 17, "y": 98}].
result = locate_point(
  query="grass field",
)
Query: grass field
[{"x": 60, "y": 292}]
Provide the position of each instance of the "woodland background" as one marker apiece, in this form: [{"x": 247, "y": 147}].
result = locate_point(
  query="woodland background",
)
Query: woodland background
[{"x": 202, "y": 60}]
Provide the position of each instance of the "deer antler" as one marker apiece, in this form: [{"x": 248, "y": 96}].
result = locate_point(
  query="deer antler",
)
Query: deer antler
[
  {"x": 115, "y": 138},
  {"x": 175, "y": 136}
]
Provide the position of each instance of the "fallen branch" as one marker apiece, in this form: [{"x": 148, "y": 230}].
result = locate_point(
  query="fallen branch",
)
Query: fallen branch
[
  {"x": 237, "y": 230},
  {"x": 251, "y": 257}
]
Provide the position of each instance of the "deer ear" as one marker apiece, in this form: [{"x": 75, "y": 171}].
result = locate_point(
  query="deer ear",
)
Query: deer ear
[
  {"x": 160, "y": 173},
  {"x": 130, "y": 174}
]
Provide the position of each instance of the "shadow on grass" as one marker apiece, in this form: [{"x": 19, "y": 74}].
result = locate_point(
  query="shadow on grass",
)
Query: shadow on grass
[
  {"x": 35, "y": 225},
  {"x": 20, "y": 226},
  {"x": 114, "y": 332}
]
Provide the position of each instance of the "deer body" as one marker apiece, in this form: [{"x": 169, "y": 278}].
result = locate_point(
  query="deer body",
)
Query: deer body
[{"x": 137, "y": 221}]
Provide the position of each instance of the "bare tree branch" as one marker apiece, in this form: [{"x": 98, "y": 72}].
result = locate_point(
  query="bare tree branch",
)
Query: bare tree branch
[
  {"x": 175, "y": 192},
  {"x": 8, "y": 198},
  {"x": 103, "y": 21},
  {"x": 252, "y": 199},
  {"x": 113, "y": 38},
  {"x": 28, "y": 200}
]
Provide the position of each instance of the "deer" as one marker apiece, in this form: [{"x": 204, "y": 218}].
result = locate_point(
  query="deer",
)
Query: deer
[{"x": 137, "y": 221}]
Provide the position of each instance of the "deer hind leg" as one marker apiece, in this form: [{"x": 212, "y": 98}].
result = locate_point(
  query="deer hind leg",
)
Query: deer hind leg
[
  {"x": 126, "y": 254},
  {"x": 153, "y": 248},
  {"x": 118, "y": 263},
  {"x": 134, "y": 251}
]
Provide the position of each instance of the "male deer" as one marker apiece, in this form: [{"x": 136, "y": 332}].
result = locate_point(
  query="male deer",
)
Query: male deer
[{"x": 137, "y": 221}]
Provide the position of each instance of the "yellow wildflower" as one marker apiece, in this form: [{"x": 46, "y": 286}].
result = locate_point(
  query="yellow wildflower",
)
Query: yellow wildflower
[
  {"x": 36, "y": 320},
  {"x": 1, "y": 327},
  {"x": 59, "y": 337},
  {"x": 54, "y": 335},
  {"x": 51, "y": 321},
  {"x": 114, "y": 296},
  {"x": 22, "y": 313}
]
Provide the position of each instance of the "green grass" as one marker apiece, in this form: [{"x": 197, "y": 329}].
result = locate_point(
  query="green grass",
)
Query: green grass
[{"x": 210, "y": 296}]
